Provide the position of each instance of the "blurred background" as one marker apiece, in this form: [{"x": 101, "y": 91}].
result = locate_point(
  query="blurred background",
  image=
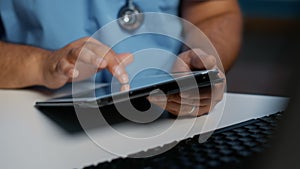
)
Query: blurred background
[{"x": 269, "y": 48}]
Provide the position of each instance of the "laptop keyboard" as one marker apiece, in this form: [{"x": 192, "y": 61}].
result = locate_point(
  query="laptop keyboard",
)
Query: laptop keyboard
[{"x": 226, "y": 148}]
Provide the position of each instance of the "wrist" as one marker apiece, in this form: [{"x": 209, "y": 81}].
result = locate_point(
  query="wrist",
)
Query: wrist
[{"x": 43, "y": 63}]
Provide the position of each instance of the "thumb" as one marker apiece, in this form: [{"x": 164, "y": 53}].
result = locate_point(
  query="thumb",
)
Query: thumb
[
  {"x": 192, "y": 59},
  {"x": 201, "y": 60}
]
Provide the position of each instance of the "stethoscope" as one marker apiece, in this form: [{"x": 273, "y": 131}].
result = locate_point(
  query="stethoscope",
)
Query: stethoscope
[{"x": 130, "y": 17}]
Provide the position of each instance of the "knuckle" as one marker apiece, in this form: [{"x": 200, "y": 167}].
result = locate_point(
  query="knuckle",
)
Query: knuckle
[
  {"x": 109, "y": 52},
  {"x": 73, "y": 52}
]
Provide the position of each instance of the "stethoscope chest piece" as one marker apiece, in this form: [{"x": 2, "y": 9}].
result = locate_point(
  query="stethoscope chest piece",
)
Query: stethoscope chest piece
[{"x": 130, "y": 17}]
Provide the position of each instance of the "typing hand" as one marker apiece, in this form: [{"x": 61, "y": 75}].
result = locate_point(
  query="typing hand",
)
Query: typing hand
[
  {"x": 90, "y": 56},
  {"x": 189, "y": 102}
]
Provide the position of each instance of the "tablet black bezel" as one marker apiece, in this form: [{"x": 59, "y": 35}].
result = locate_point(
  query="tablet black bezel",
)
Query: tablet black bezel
[{"x": 203, "y": 79}]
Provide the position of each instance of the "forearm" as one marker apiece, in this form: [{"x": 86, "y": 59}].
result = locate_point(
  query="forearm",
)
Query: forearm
[
  {"x": 221, "y": 22},
  {"x": 20, "y": 65},
  {"x": 224, "y": 33}
]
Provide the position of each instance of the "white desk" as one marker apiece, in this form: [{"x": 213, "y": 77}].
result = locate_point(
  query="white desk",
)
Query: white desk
[{"x": 29, "y": 139}]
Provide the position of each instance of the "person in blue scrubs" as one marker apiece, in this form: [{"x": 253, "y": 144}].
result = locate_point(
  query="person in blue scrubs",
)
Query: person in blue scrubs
[{"x": 40, "y": 40}]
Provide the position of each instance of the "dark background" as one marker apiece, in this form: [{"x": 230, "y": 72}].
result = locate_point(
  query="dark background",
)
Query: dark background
[
  {"x": 268, "y": 64},
  {"x": 269, "y": 49}
]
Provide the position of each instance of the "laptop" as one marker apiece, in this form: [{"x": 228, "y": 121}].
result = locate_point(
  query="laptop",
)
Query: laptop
[{"x": 269, "y": 142}]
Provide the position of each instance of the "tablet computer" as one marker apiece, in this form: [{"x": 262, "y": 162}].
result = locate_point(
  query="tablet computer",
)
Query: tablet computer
[{"x": 141, "y": 86}]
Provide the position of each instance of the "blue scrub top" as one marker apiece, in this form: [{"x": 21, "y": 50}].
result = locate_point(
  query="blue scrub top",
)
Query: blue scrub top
[{"x": 55, "y": 23}]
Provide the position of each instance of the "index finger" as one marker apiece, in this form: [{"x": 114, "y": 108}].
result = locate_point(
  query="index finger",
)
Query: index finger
[{"x": 114, "y": 65}]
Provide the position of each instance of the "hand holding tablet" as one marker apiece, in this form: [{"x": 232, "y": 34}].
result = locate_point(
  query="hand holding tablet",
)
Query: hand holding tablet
[{"x": 194, "y": 102}]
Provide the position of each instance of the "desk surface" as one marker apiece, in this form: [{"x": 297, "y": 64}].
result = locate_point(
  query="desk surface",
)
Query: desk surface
[{"x": 30, "y": 139}]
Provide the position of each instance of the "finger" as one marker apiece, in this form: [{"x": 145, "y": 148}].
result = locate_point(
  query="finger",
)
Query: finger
[
  {"x": 202, "y": 61},
  {"x": 67, "y": 69},
  {"x": 218, "y": 92},
  {"x": 182, "y": 110},
  {"x": 173, "y": 108},
  {"x": 158, "y": 101},
  {"x": 190, "y": 102},
  {"x": 190, "y": 94},
  {"x": 114, "y": 65},
  {"x": 100, "y": 55},
  {"x": 187, "y": 110},
  {"x": 125, "y": 87},
  {"x": 100, "y": 50},
  {"x": 89, "y": 57},
  {"x": 198, "y": 93},
  {"x": 84, "y": 54},
  {"x": 192, "y": 99},
  {"x": 118, "y": 71},
  {"x": 178, "y": 109},
  {"x": 182, "y": 63},
  {"x": 203, "y": 110},
  {"x": 206, "y": 109},
  {"x": 125, "y": 58},
  {"x": 177, "y": 99}
]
